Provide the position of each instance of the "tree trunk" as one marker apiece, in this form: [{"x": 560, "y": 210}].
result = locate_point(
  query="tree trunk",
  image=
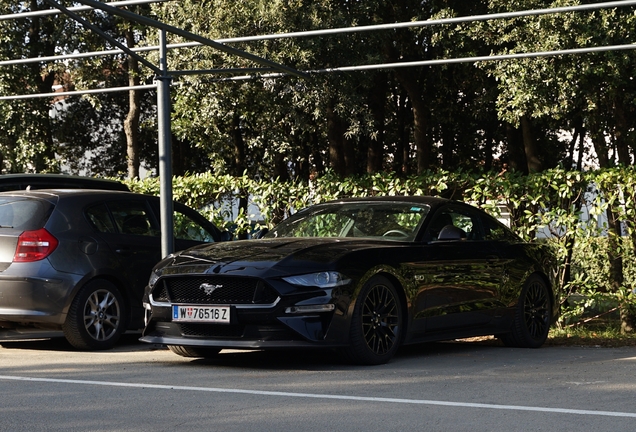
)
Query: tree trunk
[
  {"x": 131, "y": 123},
  {"x": 623, "y": 124},
  {"x": 579, "y": 162},
  {"x": 600, "y": 147},
  {"x": 421, "y": 139},
  {"x": 402, "y": 146},
  {"x": 335, "y": 139},
  {"x": 448, "y": 147},
  {"x": 578, "y": 135},
  {"x": 488, "y": 146},
  {"x": 240, "y": 164},
  {"x": 530, "y": 146},
  {"x": 616, "y": 277},
  {"x": 280, "y": 167},
  {"x": 317, "y": 158},
  {"x": 377, "y": 103},
  {"x": 516, "y": 154}
]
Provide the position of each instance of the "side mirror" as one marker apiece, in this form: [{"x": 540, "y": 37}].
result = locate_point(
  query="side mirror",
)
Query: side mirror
[
  {"x": 260, "y": 233},
  {"x": 450, "y": 233},
  {"x": 226, "y": 236}
]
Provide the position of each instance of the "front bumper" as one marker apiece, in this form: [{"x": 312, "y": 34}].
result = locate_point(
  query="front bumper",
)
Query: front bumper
[{"x": 282, "y": 324}]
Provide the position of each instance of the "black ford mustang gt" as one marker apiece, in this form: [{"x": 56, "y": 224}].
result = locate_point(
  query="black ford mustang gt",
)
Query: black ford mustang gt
[{"x": 361, "y": 275}]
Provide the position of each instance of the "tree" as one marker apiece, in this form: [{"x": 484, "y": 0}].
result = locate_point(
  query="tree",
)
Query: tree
[
  {"x": 123, "y": 124},
  {"x": 27, "y": 143},
  {"x": 48, "y": 134},
  {"x": 593, "y": 90}
]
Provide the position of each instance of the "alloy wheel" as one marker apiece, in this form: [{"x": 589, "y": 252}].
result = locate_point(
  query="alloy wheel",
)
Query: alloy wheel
[
  {"x": 102, "y": 315},
  {"x": 380, "y": 319},
  {"x": 536, "y": 310}
]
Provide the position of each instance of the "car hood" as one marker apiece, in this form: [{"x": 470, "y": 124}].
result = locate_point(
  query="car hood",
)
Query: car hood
[{"x": 263, "y": 254}]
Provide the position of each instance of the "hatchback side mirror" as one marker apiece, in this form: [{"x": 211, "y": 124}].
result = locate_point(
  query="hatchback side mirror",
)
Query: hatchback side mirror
[{"x": 226, "y": 236}]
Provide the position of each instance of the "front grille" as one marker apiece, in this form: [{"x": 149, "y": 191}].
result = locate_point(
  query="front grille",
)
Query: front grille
[
  {"x": 217, "y": 290},
  {"x": 211, "y": 330},
  {"x": 161, "y": 294},
  {"x": 264, "y": 332}
]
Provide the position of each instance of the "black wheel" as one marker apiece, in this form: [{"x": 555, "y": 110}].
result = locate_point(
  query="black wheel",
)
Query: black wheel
[
  {"x": 532, "y": 317},
  {"x": 97, "y": 316},
  {"x": 376, "y": 323},
  {"x": 190, "y": 351}
]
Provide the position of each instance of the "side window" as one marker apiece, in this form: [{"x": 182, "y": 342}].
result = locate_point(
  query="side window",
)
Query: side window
[
  {"x": 187, "y": 229},
  {"x": 133, "y": 217},
  {"x": 467, "y": 221},
  {"x": 99, "y": 217},
  {"x": 496, "y": 231}
]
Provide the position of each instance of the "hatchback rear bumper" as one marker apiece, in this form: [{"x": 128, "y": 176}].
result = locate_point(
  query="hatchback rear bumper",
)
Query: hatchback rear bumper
[{"x": 40, "y": 299}]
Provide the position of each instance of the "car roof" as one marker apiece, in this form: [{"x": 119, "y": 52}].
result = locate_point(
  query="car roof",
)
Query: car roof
[
  {"x": 420, "y": 199},
  {"x": 62, "y": 193},
  {"x": 24, "y": 181}
]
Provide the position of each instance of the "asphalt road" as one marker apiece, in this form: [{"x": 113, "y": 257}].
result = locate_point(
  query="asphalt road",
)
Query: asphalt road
[{"x": 47, "y": 386}]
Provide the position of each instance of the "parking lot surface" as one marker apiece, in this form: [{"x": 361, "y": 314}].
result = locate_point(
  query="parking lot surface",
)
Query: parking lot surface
[{"x": 454, "y": 386}]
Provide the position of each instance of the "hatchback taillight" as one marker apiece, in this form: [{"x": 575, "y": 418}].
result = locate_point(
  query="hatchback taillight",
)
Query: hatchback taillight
[{"x": 34, "y": 245}]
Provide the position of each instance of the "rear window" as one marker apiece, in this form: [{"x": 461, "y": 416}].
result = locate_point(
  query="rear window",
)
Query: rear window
[{"x": 24, "y": 213}]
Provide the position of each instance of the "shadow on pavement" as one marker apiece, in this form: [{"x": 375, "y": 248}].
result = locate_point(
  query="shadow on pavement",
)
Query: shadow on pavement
[
  {"x": 307, "y": 358},
  {"x": 127, "y": 342},
  {"x": 271, "y": 359}
]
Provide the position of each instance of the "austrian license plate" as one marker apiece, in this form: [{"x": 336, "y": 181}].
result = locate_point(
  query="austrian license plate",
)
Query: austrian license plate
[{"x": 204, "y": 314}]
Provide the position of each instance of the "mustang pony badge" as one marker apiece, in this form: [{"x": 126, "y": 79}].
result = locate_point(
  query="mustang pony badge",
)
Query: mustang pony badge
[{"x": 209, "y": 288}]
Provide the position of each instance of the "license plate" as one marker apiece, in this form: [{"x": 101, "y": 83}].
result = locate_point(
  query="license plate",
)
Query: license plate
[{"x": 206, "y": 314}]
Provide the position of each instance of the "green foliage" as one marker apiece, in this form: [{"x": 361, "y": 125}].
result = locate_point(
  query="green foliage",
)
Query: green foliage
[{"x": 454, "y": 116}]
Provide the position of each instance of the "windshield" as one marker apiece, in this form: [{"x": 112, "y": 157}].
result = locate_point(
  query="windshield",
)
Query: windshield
[
  {"x": 387, "y": 220},
  {"x": 23, "y": 213}
]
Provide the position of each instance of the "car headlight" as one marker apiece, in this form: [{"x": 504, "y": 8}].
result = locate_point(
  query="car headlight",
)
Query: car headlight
[
  {"x": 320, "y": 280},
  {"x": 154, "y": 277},
  {"x": 158, "y": 269}
]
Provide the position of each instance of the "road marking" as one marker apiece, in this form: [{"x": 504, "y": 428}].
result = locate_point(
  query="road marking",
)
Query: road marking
[
  {"x": 327, "y": 396},
  {"x": 579, "y": 383}
]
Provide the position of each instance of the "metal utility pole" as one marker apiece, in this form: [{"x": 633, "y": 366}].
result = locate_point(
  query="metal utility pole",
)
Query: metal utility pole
[{"x": 165, "y": 149}]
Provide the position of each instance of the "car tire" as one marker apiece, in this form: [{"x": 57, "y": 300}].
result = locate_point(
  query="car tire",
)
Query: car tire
[
  {"x": 376, "y": 324},
  {"x": 189, "y": 351},
  {"x": 532, "y": 316},
  {"x": 96, "y": 318}
]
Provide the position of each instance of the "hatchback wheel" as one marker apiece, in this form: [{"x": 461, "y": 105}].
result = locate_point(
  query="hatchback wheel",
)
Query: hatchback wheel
[
  {"x": 532, "y": 317},
  {"x": 376, "y": 323},
  {"x": 96, "y": 318}
]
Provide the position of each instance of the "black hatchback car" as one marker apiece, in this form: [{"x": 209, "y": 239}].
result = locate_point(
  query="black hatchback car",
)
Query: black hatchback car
[{"x": 78, "y": 261}]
